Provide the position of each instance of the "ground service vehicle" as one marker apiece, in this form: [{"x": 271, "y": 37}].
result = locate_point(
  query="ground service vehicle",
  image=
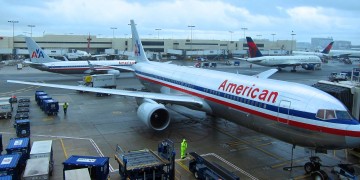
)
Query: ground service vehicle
[
  {"x": 99, "y": 81},
  {"x": 5, "y": 110}
]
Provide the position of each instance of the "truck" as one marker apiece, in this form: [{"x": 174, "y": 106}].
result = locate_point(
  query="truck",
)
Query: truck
[
  {"x": 336, "y": 77},
  {"x": 99, "y": 81},
  {"x": 43, "y": 149},
  {"x": 5, "y": 110}
]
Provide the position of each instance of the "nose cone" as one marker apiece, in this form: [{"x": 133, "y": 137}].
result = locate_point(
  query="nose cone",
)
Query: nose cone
[{"x": 353, "y": 137}]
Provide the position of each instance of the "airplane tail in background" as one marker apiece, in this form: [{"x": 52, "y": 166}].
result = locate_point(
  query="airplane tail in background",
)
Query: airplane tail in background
[
  {"x": 138, "y": 49},
  {"x": 328, "y": 48},
  {"x": 253, "y": 50},
  {"x": 37, "y": 55}
]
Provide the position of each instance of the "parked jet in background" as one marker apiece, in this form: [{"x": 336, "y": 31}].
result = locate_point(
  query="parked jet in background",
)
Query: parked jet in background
[
  {"x": 295, "y": 113},
  {"x": 345, "y": 54},
  {"x": 306, "y": 62},
  {"x": 322, "y": 54},
  {"x": 40, "y": 60}
]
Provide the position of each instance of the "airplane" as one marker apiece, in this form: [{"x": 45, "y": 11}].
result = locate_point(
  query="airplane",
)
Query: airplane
[
  {"x": 306, "y": 62},
  {"x": 321, "y": 55},
  {"x": 41, "y": 61},
  {"x": 345, "y": 53},
  {"x": 291, "y": 112}
]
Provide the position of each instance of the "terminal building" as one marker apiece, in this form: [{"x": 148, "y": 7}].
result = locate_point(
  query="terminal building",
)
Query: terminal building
[{"x": 59, "y": 45}]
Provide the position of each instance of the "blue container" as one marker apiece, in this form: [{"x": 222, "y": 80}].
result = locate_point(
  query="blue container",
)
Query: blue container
[
  {"x": 39, "y": 93},
  {"x": 5, "y": 177},
  {"x": 22, "y": 127},
  {"x": 51, "y": 107},
  {"x": 19, "y": 146},
  {"x": 9, "y": 165},
  {"x": 1, "y": 145},
  {"x": 42, "y": 98},
  {"x": 99, "y": 166}
]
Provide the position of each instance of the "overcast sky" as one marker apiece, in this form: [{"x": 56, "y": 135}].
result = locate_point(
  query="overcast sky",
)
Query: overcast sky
[{"x": 212, "y": 19}]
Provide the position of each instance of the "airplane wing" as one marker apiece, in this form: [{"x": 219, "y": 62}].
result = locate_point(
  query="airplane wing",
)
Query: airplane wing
[
  {"x": 167, "y": 98},
  {"x": 266, "y": 74},
  {"x": 126, "y": 68},
  {"x": 243, "y": 59}
]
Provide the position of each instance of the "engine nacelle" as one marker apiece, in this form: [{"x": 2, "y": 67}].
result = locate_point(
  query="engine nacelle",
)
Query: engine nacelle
[
  {"x": 114, "y": 72},
  {"x": 154, "y": 115},
  {"x": 308, "y": 66}
]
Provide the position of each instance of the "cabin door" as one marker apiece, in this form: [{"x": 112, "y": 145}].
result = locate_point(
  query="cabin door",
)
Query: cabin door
[{"x": 283, "y": 111}]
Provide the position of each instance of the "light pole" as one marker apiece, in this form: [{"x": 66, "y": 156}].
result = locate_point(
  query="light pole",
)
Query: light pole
[
  {"x": 158, "y": 30},
  {"x": 244, "y": 29},
  {"x": 292, "y": 40},
  {"x": 31, "y": 26},
  {"x": 273, "y": 34},
  {"x": 113, "y": 28},
  {"x": 231, "y": 32},
  {"x": 13, "y": 22},
  {"x": 191, "y": 27}
]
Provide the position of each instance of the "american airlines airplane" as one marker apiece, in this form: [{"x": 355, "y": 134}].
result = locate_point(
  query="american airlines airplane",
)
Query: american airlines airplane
[
  {"x": 307, "y": 62},
  {"x": 295, "y": 113},
  {"x": 322, "y": 54},
  {"x": 41, "y": 61}
]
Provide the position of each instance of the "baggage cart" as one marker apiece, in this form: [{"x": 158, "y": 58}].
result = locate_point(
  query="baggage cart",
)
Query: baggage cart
[
  {"x": 9, "y": 165},
  {"x": 76, "y": 174},
  {"x": 22, "y": 127},
  {"x": 22, "y": 100},
  {"x": 19, "y": 146},
  {"x": 23, "y": 115},
  {"x": 22, "y": 109},
  {"x": 36, "y": 169},
  {"x": 24, "y": 104},
  {"x": 41, "y": 100},
  {"x": 41, "y": 149},
  {"x": 98, "y": 166},
  {"x": 51, "y": 107},
  {"x": 39, "y": 93}
]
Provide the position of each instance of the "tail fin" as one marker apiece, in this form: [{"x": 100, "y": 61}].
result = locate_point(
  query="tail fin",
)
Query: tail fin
[
  {"x": 138, "y": 49},
  {"x": 37, "y": 55},
  {"x": 328, "y": 48},
  {"x": 253, "y": 49}
]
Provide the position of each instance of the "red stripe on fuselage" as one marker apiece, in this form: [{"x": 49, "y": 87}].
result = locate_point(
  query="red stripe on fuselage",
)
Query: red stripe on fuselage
[{"x": 264, "y": 115}]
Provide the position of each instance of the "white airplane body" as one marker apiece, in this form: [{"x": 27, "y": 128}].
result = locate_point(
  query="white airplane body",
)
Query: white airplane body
[
  {"x": 345, "y": 53},
  {"x": 322, "y": 54},
  {"x": 291, "y": 112},
  {"x": 307, "y": 62},
  {"x": 41, "y": 61}
]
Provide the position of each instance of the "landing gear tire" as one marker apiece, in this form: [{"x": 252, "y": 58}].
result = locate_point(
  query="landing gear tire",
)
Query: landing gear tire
[
  {"x": 196, "y": 175},
  {"x": 309, "y": 167},
  {"x": 320, "y": 175}
]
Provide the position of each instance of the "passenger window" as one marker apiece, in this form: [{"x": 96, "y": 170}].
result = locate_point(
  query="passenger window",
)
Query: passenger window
[{"x": 320, "y": 114}]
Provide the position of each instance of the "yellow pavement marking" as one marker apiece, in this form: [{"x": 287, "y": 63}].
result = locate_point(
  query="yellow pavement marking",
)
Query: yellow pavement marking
[
  {"x": 62, "y": 145},
  {"x": 183, "y": 166}
]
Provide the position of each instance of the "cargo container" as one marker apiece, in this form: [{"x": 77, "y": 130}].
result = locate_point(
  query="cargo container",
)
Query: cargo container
[
  {"x": 9, "y": 165},
  {"x": 39, "y": 93},
  {"x": 36, "y": 169},
  {"x": 51, "y": 107},
  {"x": 98, "y": 166},
  {"x": 41, "y": 100},
  {"x": 19, "y": 146},
  {"x": 76, "y": 174},
  {"x": 6, "y": 177},
  {"x": 41, "y": 149},
  {"x": 23, "y": 115},
  {"x": 22, "y": 127},
  {"x": 5, "y": 110}
]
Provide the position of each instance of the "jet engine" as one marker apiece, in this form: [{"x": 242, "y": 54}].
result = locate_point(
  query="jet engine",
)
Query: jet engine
[
  {"x": 154, "y": 115},
  {"x": 308, "y": 66},
  {"x": 114, "y": 72}
]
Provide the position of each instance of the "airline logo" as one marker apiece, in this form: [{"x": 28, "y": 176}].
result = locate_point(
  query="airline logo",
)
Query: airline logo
[
  {"x": 253, "y": 92},
  {"x": 253, "y": 50},
  {"x": 37, "y": 54},
  {"x": 126, "y": 62},
  {"x": 327, "y": 49},
  {"x": 137, "y": 48}
]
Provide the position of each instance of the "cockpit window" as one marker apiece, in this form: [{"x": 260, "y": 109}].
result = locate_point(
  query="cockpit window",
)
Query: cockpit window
[
  {"x": 343, "y": 115},
  {"x": 328, "y": 114}
]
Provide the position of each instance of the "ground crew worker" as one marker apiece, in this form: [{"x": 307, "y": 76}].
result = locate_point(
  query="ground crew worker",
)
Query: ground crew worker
[
  {"x": 183, "y": 149},
  {"x": 65, "y": 106}
]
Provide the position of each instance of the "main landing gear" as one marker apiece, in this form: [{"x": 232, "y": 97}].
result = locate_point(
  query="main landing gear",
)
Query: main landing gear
[{"x": 294, "y": 69}]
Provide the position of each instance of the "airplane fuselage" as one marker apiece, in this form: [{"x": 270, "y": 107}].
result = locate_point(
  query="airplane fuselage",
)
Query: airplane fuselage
[
  {"x": 284, "y": 61},
  {"x": 80, "y": 67},
  {"x": 284, "y": 110}
]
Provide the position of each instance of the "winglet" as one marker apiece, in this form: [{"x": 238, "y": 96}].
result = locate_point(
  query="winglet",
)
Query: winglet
[
  {"x": 37, "y": 55},
  {"x": 138, "y": 49},
  {"x": 328, "y": 48},
  {"x": 253, "y": 49}
]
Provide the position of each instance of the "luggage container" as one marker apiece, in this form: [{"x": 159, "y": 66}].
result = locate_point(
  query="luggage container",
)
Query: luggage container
[
  {"x": 51, "y": 107},
  {"x": 5, "y": 177},
  {"x": 22, "y": 100},
  {"x": 76, "y": 174},
  {"x": 19, "y": 146},
  {"x": 22, "y": 109},
  {"x": 41, "y": 100},
  {"x": 5, "y": 110},
  {"x": 98, "y": 166},
  {"x": 41, "y": 149},
  {"x": 23, "y": 104},
  {"x": 36, "y": 169},
  {"x": 9, "y": 165},
  {"x": 22, "y": 127},
  {"x": 23, "y": 115},
  {"x": 39, "y": 93}
]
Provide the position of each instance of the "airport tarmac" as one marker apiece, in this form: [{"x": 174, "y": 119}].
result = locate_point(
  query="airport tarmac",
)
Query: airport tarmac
[{"x": 95, "y": 125}]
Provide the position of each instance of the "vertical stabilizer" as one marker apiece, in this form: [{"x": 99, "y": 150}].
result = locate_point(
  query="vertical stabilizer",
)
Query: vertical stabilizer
[
  {"x": 328, "y": 48},
  {"x": 253, "y": 49},
  {"x": 37, "y": 55},
  {"x": 138, "y": 49}
]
